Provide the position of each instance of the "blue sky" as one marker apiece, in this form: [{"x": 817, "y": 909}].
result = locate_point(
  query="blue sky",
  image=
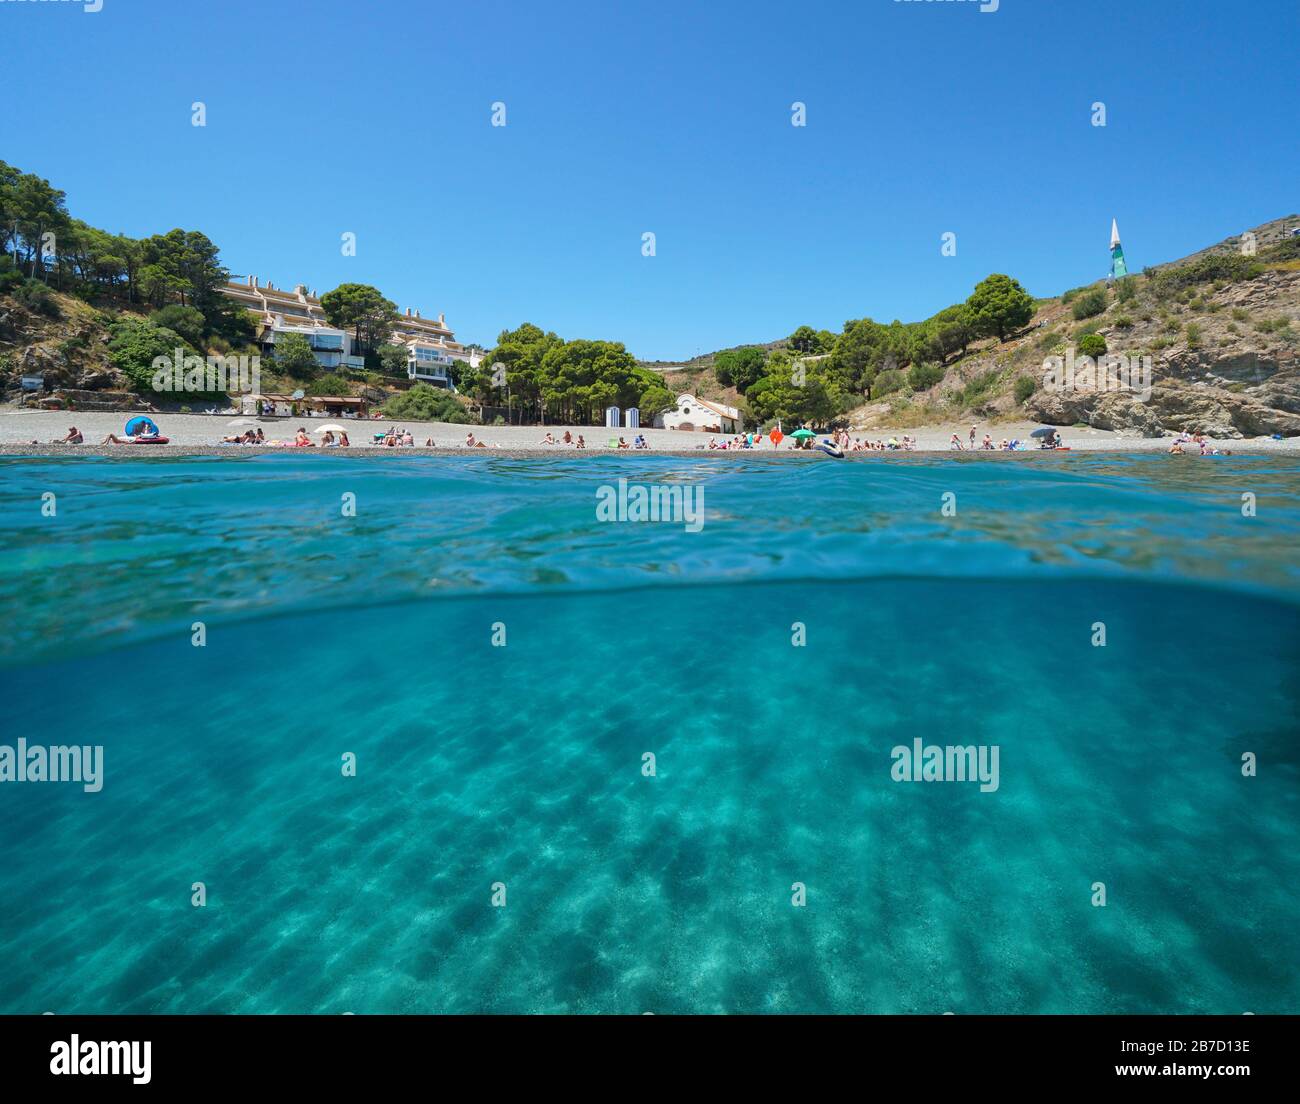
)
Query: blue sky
[{"x": 671, "y": 117}]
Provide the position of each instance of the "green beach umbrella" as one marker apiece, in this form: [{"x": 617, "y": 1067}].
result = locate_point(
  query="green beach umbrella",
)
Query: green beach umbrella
[{"x": 801, "y": 433}]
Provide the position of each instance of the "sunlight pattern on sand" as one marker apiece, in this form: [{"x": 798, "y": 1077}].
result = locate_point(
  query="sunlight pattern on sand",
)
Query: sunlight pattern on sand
[{"x": 522, "y": 764}]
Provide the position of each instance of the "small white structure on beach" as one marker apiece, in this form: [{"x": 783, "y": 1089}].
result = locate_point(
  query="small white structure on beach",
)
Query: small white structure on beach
[{"x": 701, "y": 415}]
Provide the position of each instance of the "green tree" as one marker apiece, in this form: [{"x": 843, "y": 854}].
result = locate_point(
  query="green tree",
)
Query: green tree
[
  {"x": 999, "y": 306},
  {"x": 954, "y": 330},
  {"x": 654, "y": 400},
  {"x": 183, "y": 265},
  {"x": 810, "y": 342},
  {"x": 293, "y": 356},
  {"x": 363, "y": 310},
  {"x": 393, "y": 359},
  {"x": 739, "y": 368},
  {"x": 186, "y": 321},
  {"x": 31, "y": 210}
]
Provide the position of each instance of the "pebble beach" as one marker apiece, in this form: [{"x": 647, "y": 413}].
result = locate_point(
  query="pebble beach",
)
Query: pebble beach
[{"x": 32, "y": 433}]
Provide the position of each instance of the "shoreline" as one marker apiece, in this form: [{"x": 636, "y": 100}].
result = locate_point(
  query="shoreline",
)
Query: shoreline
[
  {"x": 33, "y": 433},
  {"x": 242, "y": 452}
]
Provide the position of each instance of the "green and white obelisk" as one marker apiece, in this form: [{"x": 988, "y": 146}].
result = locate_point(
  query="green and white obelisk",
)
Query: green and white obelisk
[{"x": 1117, "y": 266}]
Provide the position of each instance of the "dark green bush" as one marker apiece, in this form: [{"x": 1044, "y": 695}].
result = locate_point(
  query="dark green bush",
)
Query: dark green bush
[
  {"x": 1089, "y": 304},
  {"x": 36, "y": 297},
  {"x": 921, "y": 377},
  {"x": 424, "y": 403},
  {"x": 1092, "y": 344},
  {"x": 887, "y": 382}
]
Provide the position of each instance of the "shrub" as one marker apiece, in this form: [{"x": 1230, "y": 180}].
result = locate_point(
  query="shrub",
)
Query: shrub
[
  {"x": 37, "y": 298},
  {"x": 978, "y": 388},
  {"x": 425, "y": 403},
  {"x": 186, "y": 321},
  {"x": 10, "y": 277},
  {"x": 1239, "y": 315},
  {"x": 1126, "y": 290},
  {"x": 293, "y": 356},
  {"x": 1092, "y": 344},
  {"x": 1193, "y": 335},
  {"x": 1288, "y": 249},
  {"x": 393, "y": 360},
  {"x": 135, "y": 343},
  {"x": 1223, "y": 267},
  {"x": 1024, "y": 388},
  {"x": 921, "y": 377},
  {"x": 1124, "y": 322},
  {"x": 887, "y": 382},
  {"x": 1089, "y": 304}
]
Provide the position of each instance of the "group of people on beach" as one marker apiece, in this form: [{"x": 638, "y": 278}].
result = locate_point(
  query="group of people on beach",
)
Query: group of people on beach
[
  {"x": 839, "y": 439},
  {"x": 1051, "y": 441},
  {"x": 905, "y": 443},
  {"x": 1200, "y": 441},
  {"x": 987, "y": 445},
  {"x": 248, "y": 437},
  {"x": 579, "y": 442}
]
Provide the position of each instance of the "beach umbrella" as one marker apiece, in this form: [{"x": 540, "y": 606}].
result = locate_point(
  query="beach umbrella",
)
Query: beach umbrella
[
  {"x": 1046, "y": 431},
  {"x": 135, "y": 425},
  {"x": 330, "y": 427},
  {"x": 802, "y": 433}
]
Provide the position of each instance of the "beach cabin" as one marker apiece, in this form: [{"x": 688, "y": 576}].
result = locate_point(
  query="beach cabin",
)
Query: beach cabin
[{"x": 701, "y": 415}]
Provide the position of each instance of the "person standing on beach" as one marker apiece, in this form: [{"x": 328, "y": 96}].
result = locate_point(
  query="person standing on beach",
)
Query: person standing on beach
[{"x": 972, "y": 436}]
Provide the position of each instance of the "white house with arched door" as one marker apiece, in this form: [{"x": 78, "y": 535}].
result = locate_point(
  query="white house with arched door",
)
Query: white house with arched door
[{"x": 701, "y": 415}]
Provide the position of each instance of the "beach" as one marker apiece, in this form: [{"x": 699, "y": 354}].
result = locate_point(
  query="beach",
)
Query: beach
[{"x": 201, "y": 434}]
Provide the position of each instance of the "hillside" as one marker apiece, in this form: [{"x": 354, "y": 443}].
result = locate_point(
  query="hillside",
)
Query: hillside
[{"x": 1222, "y": 331}]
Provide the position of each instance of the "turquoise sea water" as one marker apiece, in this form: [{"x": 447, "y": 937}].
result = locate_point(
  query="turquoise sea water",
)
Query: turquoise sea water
[{"x": 522, "y": 764}]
